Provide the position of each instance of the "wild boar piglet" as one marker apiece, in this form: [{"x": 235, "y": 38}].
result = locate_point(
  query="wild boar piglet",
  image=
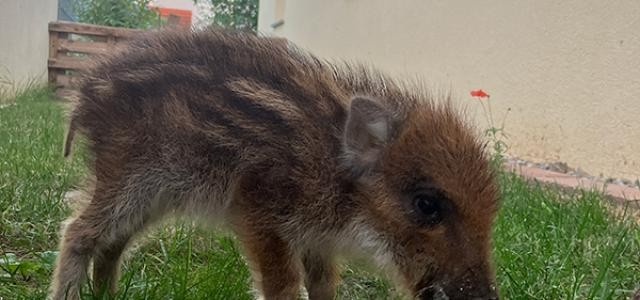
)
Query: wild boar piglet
[{"x": 304, "y": 160}]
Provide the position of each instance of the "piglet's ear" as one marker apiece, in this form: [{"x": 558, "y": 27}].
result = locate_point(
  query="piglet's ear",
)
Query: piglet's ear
[{"x": 367, "y": 131}]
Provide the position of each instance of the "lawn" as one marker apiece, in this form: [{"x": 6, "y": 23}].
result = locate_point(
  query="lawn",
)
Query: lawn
[{"x": 549, "y": 244}]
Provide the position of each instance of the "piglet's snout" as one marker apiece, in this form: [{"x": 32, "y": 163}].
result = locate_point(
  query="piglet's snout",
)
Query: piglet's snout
[
  {"x": 437, "y": 293},
  {"x": 432, "y": 293},
  {"x": 464, "y": 288}
]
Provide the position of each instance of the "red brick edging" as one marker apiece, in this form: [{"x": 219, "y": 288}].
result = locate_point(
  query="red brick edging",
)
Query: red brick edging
[{"x": 573, "y": 181}]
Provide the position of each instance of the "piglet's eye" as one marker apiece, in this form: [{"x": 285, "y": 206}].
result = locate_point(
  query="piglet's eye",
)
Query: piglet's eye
[{"x": 428, "y": 206}]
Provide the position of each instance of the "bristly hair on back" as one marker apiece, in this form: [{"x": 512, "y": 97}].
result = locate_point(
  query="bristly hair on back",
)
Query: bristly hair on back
[{"x": 247, "y": 62}]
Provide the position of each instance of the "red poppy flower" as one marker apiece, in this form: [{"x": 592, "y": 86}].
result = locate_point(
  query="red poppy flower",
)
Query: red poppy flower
[{"x": 479, "y": 93}]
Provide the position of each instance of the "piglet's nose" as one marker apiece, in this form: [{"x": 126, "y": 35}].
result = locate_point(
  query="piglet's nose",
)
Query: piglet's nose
[
  {"x": 488, "y": 297},
  {"x": 437, "y": 293},
  {"x": 432, "y": 293},
  {"x": 487, "y": 294}
]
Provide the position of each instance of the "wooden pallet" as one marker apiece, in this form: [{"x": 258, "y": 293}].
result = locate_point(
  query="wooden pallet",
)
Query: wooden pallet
[{"x": 72, "y": 44}]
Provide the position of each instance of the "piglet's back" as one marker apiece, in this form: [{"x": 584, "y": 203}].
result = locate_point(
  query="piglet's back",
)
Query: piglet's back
[{"x": 237, "y": 91}]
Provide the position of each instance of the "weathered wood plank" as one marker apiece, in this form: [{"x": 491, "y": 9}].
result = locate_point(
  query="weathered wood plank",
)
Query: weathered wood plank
[
  {"x": 90, "y": 29},
  {"x": 73, "y": 63},
  {"x": 66, "y": 81},
  {"x": 83, "y": 47},
  {"x": 63, "y": 93},
  {"x": 53, "y": 48}
]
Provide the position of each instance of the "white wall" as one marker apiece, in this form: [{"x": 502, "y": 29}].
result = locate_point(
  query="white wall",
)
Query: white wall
[
  {"x": 568, "y": 70},
  {"x": 24, "y": 39}
]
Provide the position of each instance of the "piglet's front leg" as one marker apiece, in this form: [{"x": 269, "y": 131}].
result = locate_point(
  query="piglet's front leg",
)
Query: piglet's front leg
[
  {"x": 321, "y": 274},
  {"x": 275, "y": 270}
]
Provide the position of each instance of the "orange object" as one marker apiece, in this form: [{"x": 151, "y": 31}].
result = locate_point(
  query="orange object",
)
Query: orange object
[{"x": 175, "y": 16}]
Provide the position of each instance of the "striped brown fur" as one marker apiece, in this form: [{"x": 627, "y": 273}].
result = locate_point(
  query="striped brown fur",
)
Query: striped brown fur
[{"x": 304, "y": 160}]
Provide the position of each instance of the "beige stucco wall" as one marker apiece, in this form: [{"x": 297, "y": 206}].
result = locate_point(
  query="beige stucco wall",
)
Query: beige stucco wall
[
  {"x": 24, "y": 39},
  {"x": 569, "y": 70}
]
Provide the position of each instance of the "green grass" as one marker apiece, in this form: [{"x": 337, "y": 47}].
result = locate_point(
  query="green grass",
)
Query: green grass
[
  {"x": 549, "y": 244},
  {"x": 556, "y": 245}
]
